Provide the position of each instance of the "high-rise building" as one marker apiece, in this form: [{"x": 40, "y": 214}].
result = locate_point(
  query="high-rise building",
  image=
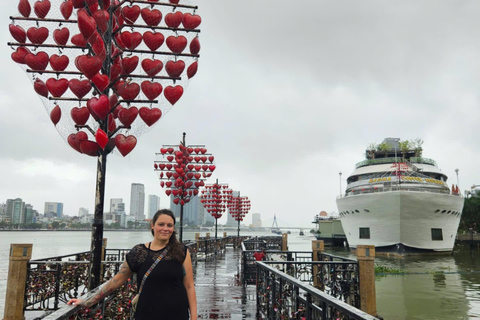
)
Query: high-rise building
[
  {"x": 230, "y": 220},
  {"x": 53, "y": 209},
  {"x": 256, "y": 220},
  {"x": 15, "y": 211},
  {"x": 153, "y": 205},
  {"x": 191, "y": 211},
  {"x": 137, "y": 201},
  {"x": 117, "y": 205},
  {"x": 29, "y": 214}
]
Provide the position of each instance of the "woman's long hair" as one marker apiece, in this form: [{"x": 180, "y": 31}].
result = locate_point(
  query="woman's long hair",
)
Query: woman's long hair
[{"x": 176, "y": 249}]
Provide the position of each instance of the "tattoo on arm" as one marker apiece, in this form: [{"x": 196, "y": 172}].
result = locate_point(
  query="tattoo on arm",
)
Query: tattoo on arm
[
  {"x": 184, "y": 271},
  {"x": 108, "y": 288}
]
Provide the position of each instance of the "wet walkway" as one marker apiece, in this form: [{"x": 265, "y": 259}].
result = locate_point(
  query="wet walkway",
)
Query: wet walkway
[{"x": 220, "y": 294}]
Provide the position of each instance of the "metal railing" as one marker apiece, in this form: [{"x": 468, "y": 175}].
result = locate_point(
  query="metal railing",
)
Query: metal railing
[{"x": 282, "y": 296}]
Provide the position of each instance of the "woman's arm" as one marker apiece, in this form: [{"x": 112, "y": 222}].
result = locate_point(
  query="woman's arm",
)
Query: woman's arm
[
  {"x": 190, "y": 286},
  {"x": 116, "y": 282}
]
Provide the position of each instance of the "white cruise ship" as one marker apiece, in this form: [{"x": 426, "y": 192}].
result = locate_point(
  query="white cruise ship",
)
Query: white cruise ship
[{"x": 400, "y": 202}]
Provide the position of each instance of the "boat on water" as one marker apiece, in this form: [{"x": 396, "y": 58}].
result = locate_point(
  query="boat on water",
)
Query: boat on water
[
  {"x": 301, "y": 233},
  {"x": 400, "y": 202}
]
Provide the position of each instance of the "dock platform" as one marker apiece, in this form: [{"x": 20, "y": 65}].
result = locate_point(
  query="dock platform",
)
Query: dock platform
[{"x": 220, "y": 292}]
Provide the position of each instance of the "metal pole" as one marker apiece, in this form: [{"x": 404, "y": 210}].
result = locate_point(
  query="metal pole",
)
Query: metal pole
[
  {"x": 458, "y": 183},
  {"x": 97, "y": 226},
  {"x": 181, "y": 206},
  {"x": 216, "y": 207},
  {"x": 340, "y": 174}
]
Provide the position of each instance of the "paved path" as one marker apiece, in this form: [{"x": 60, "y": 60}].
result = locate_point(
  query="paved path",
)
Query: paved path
[{"x": 220, "y": 294}]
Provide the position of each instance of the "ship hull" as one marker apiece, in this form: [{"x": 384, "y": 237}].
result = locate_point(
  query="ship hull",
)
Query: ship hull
[{"x": 402, "y": 222}]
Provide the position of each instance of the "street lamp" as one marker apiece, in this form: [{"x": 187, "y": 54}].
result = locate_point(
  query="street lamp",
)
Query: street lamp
[{"x": 458, "y": 184}]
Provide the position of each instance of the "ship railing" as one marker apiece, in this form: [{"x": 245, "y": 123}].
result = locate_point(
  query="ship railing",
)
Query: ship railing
[
  {"x": 281, "y": 294},
  {"x": 394, "y": 188},
  {"x": 210, "y": 247},
  {"x": 420, "y": 160}
]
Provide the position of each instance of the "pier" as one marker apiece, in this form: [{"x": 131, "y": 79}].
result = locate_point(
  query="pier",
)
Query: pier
[{"x": 230, "y": 284}]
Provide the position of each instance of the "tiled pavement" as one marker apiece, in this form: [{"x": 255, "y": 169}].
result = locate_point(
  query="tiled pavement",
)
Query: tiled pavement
[{"x": 220, "y": 294}]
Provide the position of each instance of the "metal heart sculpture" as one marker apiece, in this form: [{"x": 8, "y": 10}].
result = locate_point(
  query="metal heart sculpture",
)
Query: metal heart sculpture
[{"x": 106, "y": 70}]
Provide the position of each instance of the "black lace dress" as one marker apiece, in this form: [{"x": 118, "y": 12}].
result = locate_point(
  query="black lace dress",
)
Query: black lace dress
[{"x": 163, "y": 296}]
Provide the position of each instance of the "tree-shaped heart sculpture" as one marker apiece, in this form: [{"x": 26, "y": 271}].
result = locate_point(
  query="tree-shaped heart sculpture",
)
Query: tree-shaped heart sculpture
[{"x": 106, "y": 70}]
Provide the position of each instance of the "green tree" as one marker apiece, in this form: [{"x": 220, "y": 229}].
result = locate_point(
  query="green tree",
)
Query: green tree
[
  {"x": 404, "y": 147},
  {"x": 470, "y": 214},
  {"x": 55, "y": 224}
]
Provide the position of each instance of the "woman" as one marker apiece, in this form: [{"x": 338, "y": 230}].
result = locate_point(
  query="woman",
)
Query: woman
[{"x": 168, "y": 291}]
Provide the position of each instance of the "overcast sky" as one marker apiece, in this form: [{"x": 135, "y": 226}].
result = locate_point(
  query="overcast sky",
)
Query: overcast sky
[{"x": 287, "y": 95}]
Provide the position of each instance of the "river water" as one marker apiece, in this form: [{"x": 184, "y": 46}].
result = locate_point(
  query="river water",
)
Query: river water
[{"x": 433, "y": 287}]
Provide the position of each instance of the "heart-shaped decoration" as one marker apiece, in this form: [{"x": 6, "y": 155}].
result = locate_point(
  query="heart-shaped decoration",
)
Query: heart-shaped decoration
[
  {"x": 150, "y": 116},
  {"x": 41, "y": 8},
  {"x": 61, "y": 36},
  {"x": 125, "y": 144},
  {"x": 151, "y": 17},
  {"x": 57, "y": 87},
  {"x": 110, "y": 66},
  {"x": 80, "y": 88},
  {"x": 80, "y": 115},
  {"x": 153, "y": 40}
]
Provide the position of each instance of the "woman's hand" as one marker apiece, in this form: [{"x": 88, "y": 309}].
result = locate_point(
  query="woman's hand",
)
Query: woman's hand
[{"x": 77, "y": 302}]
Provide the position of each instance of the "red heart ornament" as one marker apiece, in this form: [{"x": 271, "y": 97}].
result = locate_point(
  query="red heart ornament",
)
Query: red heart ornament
[
  {"x": 168, "y": 191},
  {"x": 79, "y": 87},
  {"x": 176, "y": 200},
  {"x": 101, "y": 18},
  {"x": 61, "y": 36},
  {"x": 130, "y": 14},
  {"x": 37, "y": 61},
  {"x": 57, "y": 87},
  {"x": 174, "y": 19},
  {"x": 152, "y": 67},
  {"x": 195, "y": 46},
  {"x": 18, "y": 33},
  {"x": 99, "y": 107},
  {"x": 79, "y": 40},
  {"x": 56, "y": 114},
  {"x": 175, "y": 68},
  {"x": 151, "y": 17},
  {"x": 127, "y": 116},
  {"x": 128, "y": 91},
  {"x": 131, "y": 40},
  {"x": 19, "y": 55},
  {"x": 129, "y": 64},
  {"x": 101, "y": 138},
  {"x": 192, "y": 69},
  {"x": 150, "y": 116},
  {"x": 88, "y": 65},
  {"x": 191, "y": 21},
  {"x": 101, "y": 81},
  {"x": 80, "y": 115},
  {"x": 172, "y": 94},
  {"x": 89, "y": 148},
  {"x": 24, "y": 8},
  {"x": 59, "y": 63},
  {"x": 66, "y": 8},
  {"x": 176, "y": 44},
  {"x": 41, "y": 8},
  {"x": 37, "y": 35},
  {"x": 151, "y": 89},
  {"x": 75, "y": 138},
  {"x": 40, "y": 87},
  {"x": 125, "y": 144},
  {"x": 153, "y": 40},
  {"x": 86, "y": 24}
]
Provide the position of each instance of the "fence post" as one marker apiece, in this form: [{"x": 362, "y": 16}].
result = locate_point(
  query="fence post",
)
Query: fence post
[
  {"x": 317, "y": 247},
  {"x": 104, "y": 253},
  {"x": 366, "y": 266},
  {"x": 224, "y": 234},
  {"x": 284, "y": 242},
  {"x": 20, "y": 254},
  {"x": 207, "y": 235}
]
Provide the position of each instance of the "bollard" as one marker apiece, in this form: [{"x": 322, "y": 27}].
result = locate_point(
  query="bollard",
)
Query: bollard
[
  {"x": 317, "y": 248},
  {"x": 20, "y": 254},
  {"x": 224, "y": 234},
  {"x": 207, "y": 235},
  {"x": 284, "y": 242},
  {"x": 197, "y": 236},
  {"x": 366, "y": 266}
]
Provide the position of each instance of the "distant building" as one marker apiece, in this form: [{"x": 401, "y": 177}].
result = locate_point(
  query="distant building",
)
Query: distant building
[
  {"x": 15, "y": 211},
  {"x": 153, "y": 205},
  {"x": 137, "y": 201},
  {"x": 256, "y": 220},
  {"x": 53, "y": 209},
  {"x": 117, "y": 205},
  {"x": 30, "y": 214},
  {"x": 191, "y": 211},
  {"x": 83, "y": 212},
  {"x": 231, "y": 222}
]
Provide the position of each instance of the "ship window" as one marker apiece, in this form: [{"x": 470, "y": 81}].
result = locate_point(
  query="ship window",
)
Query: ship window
[
  {"x": 357, "y": 211},
  {"x": 437, "y": 234},
  {"x": 437, "y": 211},
  {"x": 449, "y": 211},
  {"x": 366, "y": 210},
  {"x": 443, "y": 211},
  {"x": 364, "y": 233}
]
